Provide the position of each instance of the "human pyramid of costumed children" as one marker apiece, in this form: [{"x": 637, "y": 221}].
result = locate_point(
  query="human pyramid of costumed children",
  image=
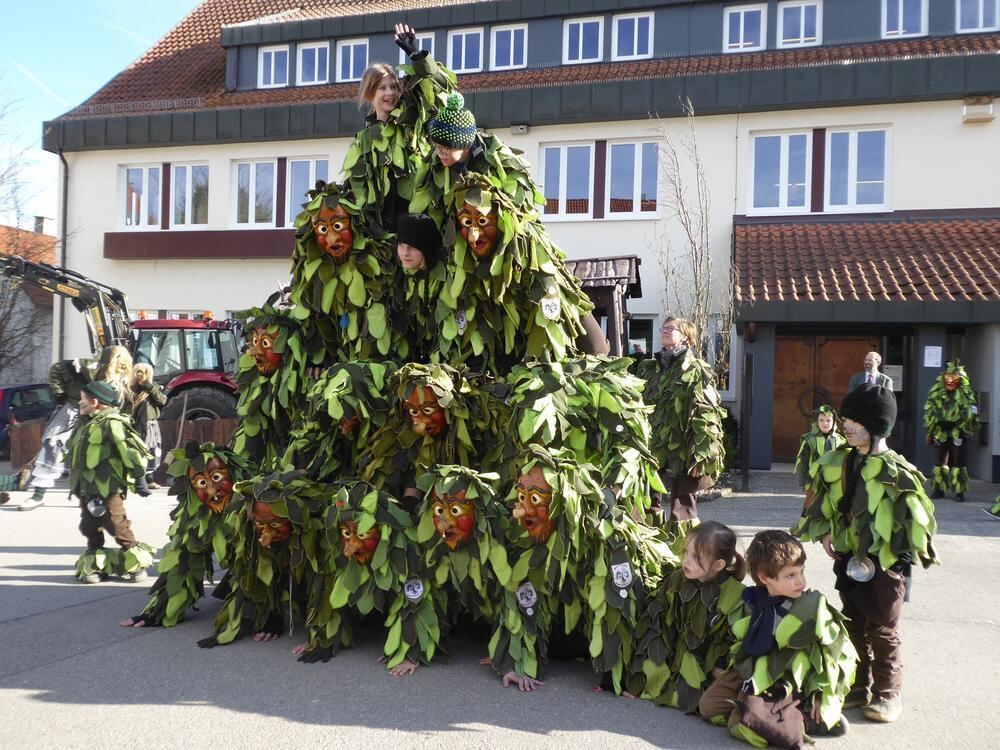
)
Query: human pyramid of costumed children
[{"x": 431, "y": 436}]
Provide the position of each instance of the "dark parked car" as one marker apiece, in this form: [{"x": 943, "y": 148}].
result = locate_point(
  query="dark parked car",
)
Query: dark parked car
[{"x": 19, "y": 403}]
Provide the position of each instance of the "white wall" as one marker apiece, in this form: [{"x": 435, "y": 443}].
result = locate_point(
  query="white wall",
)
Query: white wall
[{"x": 982, "y": 347}]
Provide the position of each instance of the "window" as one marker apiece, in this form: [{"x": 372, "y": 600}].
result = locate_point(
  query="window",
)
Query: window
[
  {"x": 632, "y": 179},
  {"x": 302, "y": 176},
  {"x": 566, "y": 172},
  {"x": 190, "y": 195},
  {"x": 978, "y": 15},
  {"x": 162, "y": 350},
  {"x": 424, "y": 41},
  {"x": 583, "y": 40},
  {"x": 201, "y": 348},
  {"x": 745, "y": 28},
  {"x": 800, "y": 23},
  {"x": 465, "y": 50},
  {"x": 781, "y": 172},
  {"x": 272, "y": 67},
  {"x": 904, "y": 18},
  {"x": 510, "y": 47},
  {"x": 352, "y": 59},
  {"x": 314, "y": 65},
  {"x": 142, "y": 197},
  {"x": 255, "y": 189},
  {"x": 632, "y": 36},
  {"x": 856, "y": 166}
]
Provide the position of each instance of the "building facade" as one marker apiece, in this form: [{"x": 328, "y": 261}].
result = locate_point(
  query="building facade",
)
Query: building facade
[{"x": 848, "y": 147}]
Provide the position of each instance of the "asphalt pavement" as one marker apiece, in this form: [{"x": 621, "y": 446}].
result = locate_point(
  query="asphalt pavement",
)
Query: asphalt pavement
[{"x": 71, "y": 677}]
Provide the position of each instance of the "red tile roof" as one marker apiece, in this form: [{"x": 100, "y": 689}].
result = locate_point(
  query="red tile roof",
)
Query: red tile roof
[
  {"x": 186, "y": 69},
  {"x": 875, "y": 260},
  {"x": 35, "y": 246}
]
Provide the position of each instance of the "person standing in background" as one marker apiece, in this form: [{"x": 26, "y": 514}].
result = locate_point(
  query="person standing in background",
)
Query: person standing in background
[
  {"x": 871, "y": 375},
  {"x": 148, "y": 399}
]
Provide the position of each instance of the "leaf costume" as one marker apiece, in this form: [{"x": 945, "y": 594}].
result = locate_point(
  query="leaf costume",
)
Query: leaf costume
[
  {"x": 197, "y": 531},
  {"x": 684, "y": 633},
  {"x": 591, "y": 573},
  {"x": 949, "y": 419},
  {"x": 814, "y": 444},
  {"x": 888, "y": 517}
]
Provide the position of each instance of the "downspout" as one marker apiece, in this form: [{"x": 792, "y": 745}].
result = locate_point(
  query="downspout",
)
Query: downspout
[{"x": 62, "y": 254}]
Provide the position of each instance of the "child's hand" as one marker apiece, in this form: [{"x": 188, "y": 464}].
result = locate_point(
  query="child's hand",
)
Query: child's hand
[
  {"x": 828, "y": 546},
  {"x": 406, "y": 38}
]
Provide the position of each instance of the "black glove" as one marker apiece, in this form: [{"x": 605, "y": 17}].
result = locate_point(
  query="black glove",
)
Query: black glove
[
  {"x": 274, "y": 626},
  {"x": 210, "y": 642},
  {"x": 144, "y": 620},
  {"x": 406, "y": 39},
  {"x": 323, "y": 654}
]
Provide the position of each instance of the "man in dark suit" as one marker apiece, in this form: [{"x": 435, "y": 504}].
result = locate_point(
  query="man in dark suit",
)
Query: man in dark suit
[{"x": 871, "y": 374}]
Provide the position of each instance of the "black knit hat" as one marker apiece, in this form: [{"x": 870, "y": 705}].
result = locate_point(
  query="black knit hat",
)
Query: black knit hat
[
  {"x": 871, "y": 406},
  {"x": 420, "y": 231},
  {"x": 104, "y": 392},
  {"x": 453, "y": 126}
]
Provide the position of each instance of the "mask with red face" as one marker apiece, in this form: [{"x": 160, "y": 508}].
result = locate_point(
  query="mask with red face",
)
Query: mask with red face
[
  {"x": 334, "y": 234},
  {"x": 359, "y": 547},
  {"x": 271, "y": 529},
  {"x": 262, "y": 350},
  {"x": 454, "y": 518},
  {"x": 427, "y": 418},
  {"x": 531, "y": 511},
  {"x": 479, "y": 230},
  {"x": 213, "y": 485}
]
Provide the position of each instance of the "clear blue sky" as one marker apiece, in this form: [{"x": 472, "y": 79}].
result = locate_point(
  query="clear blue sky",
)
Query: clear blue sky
[{"x": 56, "y": 53}]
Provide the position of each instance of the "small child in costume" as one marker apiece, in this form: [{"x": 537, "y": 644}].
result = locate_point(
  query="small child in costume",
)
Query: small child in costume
[
  {"x": 685, "y": 635},
  {"x": 875, "y": 520},
  {"x": 792, "y": 643},
  {"x": 823, "y": 437}
]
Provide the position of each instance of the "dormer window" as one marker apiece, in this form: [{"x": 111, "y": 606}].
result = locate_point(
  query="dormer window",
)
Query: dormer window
[
  {"x": 352, "y": 59},
  {"x": 314, "y": 64},
  {"x": 272, "y": 67},
  {"x": 745, "y": 28},
  {"x": 583, "y": 40}
]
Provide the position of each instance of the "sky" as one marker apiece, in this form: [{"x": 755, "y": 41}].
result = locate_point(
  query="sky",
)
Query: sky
[{"x": 54, "y": 55}]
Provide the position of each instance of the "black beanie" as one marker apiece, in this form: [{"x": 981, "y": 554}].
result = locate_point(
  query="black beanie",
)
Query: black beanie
[
  {"x": 420, "y": 231},
  {"x": 871, "y": 406}
]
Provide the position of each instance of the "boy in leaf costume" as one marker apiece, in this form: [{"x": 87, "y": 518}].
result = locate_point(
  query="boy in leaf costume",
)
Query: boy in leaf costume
[
  {"x": 685, "y": 634},
  {"x": 823, "y": 437},
  {"x": 204, "y": 476},
  {"x": 271, "y": 382},
  {"x": 593, "y": 406},
  {"x": 576, "y": 561},
  {"x": 790, "y": 643},
  {"x": 273, "y": 560},
  {"x": 875, "y": 520},
  {"x": 345, "y": 406},
  {"x": 950, "y": 419},
  {"x": 105, "y": 455},
  {"x": 687, "y": 434}
]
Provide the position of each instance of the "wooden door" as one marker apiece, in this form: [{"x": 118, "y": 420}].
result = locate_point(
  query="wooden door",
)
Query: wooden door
[{"x": 810, "y": 371}]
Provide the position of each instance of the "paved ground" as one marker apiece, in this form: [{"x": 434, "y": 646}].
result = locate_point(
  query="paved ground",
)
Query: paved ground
[{"x": 70, "y": 677}]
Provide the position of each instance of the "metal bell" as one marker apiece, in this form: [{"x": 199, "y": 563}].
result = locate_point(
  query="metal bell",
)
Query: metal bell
[{"x": 860, "y": 569}]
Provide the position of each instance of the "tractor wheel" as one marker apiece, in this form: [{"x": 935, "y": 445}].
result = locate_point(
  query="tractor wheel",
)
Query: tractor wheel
[{"x": 202, "y": 403}]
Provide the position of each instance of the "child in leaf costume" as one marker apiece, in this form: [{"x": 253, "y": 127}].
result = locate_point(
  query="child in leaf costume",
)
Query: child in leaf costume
[
  {"x": 950, "y": 419},
  {"x": 105, "y": 455},
  {"x": 418, "y": 282},
  {"x": 687, "y": 434},
  {"x": 276, "y": 525},
  {"x": 995, "y": 510},
  {"x": 684, "y": 637},
  {"x": 576, "y": 561},
  {"x": 823, "y": 437},
  {"x": 875, "y": 520},
  {"x": 593, "y": 406},
  {"x": 203, "y": 483},
  {"x": 790, "y": 643}
]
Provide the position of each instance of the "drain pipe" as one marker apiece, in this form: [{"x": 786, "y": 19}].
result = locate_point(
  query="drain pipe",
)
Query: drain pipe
[{"x": 64, "y": 232}]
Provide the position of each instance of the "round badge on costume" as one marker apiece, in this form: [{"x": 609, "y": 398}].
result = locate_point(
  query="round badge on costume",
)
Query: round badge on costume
[
  {"x": 551, "y": 307},
  {"x": 413, "y": 589},
  {"x": 621, "y": 574},
  {"x": 461, "y": 321},
  {"x": 527, "y": 597}
]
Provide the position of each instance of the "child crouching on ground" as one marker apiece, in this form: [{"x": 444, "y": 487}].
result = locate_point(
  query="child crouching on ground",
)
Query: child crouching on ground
[
  {"x": 685, "y": 636},
  {"x": 792, "y": 643}
]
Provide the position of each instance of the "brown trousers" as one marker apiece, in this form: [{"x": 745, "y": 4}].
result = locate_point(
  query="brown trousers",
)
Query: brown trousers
[
  {"x": 718, "y": 697},
  {"x": 873, "y": 610},
  {"x": 683, "y": 495},
  {"x": 114, "y": 521}
]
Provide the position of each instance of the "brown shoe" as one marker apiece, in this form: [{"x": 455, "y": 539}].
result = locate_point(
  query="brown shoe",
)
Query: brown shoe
[
  {"x": 858, "y": 698},
  {"x": 22, "y": 478},
  {"x": 4, "y": 498},
  {"x": 885, "y": 709}
]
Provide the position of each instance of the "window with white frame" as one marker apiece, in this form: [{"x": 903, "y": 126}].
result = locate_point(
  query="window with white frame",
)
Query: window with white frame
[
  {"x": 302, "y": 176},
  {"x": 856, "y": 170},
  {"x": 632, "y": 36},
  {"x": 510, "y": 47},
  {"x": 583, "y": 40},
  {"x": 272, "y": 67},
  {"x": 314, "y": 64},
  {"x": 800, "y": 23},
  {"x": 423, "y": 41},
  {"x": 566, "y": 176},
  {"x": 142, "y": 197},
  {"x": 255, "y": 192},
  {"x": 978, "y": 15},
  {"x": 632, "y": 179},
  {"x": 904, "y": 18},
  {"x": 190, "y": 195},
  {"x": 352, "y": 59},
  {"x": 465, "y": 50},
  {"x": 745, "y": 28},
  {"x": 781, "y": 171}
]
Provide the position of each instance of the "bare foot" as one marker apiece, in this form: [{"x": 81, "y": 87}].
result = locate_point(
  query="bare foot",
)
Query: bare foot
[
  {"x": 301, "y": 648},
  {"x": 524, "y": 684},
  {"x": 383, "y": 659},
  {"x": 486, "y": 662},
  {"x": 407, "y": 666},
  {"x": 624, "y": 693},
  {"x": 133, "y": 622},
  {"x": 263, "y": 636}
]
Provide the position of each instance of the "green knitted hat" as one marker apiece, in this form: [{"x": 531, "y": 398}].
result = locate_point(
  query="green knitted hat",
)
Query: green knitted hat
[{"x": 453, "y": 126}]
